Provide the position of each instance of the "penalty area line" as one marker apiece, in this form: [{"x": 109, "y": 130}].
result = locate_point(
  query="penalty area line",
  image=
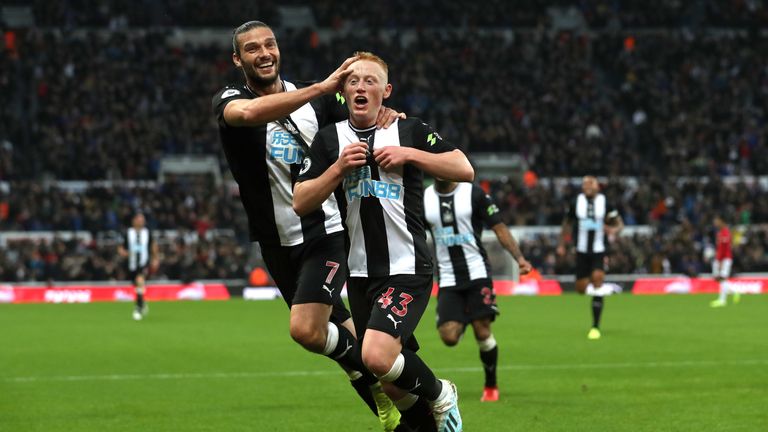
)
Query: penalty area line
[{"x": 287, "y": 374}]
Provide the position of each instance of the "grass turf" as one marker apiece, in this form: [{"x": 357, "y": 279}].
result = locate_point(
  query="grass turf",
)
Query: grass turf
[{"x": 665, "y": 363}]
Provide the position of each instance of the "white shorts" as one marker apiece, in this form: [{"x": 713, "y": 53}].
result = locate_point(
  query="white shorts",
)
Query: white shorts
[{"x": 722, "y": 268}]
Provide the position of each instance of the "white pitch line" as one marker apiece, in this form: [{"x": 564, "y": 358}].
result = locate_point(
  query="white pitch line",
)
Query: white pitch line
[{"x": 529, "y": 367}]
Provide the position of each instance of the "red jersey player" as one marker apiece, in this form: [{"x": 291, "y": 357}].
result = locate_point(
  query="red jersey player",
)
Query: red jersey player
[{"x": 721, "y": 265}]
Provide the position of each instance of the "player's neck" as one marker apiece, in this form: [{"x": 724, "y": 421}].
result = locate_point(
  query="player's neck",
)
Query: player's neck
[
  {"x": 362, "y": 122},
  {"x": 445, "y": 188},
  {"x": 275, "y": 87}
]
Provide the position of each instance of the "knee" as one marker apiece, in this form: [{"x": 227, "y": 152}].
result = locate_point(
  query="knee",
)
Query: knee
[
  {"x": 450, "y": 338},
  {"x": 581, "y": 286},
  {"x": 451, "y": 333},
  {"x": 376, "y": 360},
  {"x": 311, "y": 338}
]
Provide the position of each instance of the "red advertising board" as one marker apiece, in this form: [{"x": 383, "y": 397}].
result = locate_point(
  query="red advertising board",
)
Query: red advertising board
[
  {"x": 683, "y": 285},
  {"x": 97, "y": 293},
  {"x": 529, "y": 287}
]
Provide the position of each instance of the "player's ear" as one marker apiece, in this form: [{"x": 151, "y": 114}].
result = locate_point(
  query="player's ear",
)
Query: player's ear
[
  {"x": 236, "y": 60},
  {"x": 387, "y": 90}
]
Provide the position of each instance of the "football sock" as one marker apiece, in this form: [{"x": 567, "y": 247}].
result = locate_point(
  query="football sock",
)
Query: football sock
[
  {"x": 723, "y": 291},
  {"x": 139, "y": 301},
  {"x": 597, "y": 310},
  {"x": 417, "y": 413},
  {"x": 489, "y": 355},
  {"x": 363, "y": 389},
  {"x": 410, "y": 373},
  {"x": 342, "y": 347}
]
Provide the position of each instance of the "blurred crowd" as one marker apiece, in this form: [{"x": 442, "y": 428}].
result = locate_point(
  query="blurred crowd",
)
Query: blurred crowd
[
  {"x": 665, "y": 111},
  {"x": 418, "y": 13},
  {"x": 184, "y": 258},
  {"x": 669, "y": 104}
]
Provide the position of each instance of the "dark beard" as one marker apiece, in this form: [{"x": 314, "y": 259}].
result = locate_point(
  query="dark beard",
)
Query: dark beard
[{"x": 261, "y": 82}]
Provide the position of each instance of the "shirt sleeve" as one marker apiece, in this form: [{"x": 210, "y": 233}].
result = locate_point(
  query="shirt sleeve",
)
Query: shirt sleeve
[
  {"x": 484, "y": 207},
  {"x": 427, "y": 139},
  {"x": 222, "y": 98},
  {"x": 317, "y": 161}
]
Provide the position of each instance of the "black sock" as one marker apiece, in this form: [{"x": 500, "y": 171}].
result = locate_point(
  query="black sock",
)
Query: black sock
[
  {"x": 347, "y": 354},
  {"x": 419, "y": 417},
  {"x": 417, "y": 377},
  {"x": 139, "y": 301},
  {"x": 490, "y": 359},
  {"x": 597, "y": 310},
  {"x": 363, "y": 389}
]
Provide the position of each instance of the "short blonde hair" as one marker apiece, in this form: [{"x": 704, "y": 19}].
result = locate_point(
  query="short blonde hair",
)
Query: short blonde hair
[{"x": 369, "y": 56}]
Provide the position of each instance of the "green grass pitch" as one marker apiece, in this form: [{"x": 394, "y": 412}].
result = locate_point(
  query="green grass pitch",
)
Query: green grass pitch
[{"x": 665, "y": 363}]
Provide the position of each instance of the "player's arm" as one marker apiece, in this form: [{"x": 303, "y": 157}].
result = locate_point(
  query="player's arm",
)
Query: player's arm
[
  {"x": 614, "y": 223},
  {"x": 509, "y": 243},
  {"x": 154, "y": 253},
  {"x": 320, "y": 178},
  {"x": 430, "y": 154},
  {"x": 264, "y": 109},
  {"x": 122, "y": 249}
]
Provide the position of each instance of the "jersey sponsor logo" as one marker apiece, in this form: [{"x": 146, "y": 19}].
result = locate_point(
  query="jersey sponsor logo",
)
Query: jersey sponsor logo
[
  {"x": 446, "y": 237},
  {"x": 284, "y": 148},
  {"x": 230, "y": 93},
  {"x": 591, "y": 224},
  {"x": 358, "y": 184}
]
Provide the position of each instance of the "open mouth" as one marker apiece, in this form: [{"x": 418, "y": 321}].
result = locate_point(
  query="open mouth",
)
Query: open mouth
[
  {"x": 360, "y": 101},
  {"x": 265, "y": 66}
]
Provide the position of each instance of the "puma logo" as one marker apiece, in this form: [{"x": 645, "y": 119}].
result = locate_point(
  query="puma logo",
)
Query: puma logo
[
  {"x": 446, "y": 204},
  {"x": 346, "y": 350},
  {"x": 391, "y": 318},
  {"x": 330, "y": 290},
  {"x": 416, "y": 386}
]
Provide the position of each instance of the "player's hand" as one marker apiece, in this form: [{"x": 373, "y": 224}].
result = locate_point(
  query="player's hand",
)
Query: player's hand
[
  {"x": 387, "y": 116},
  {"x": 335, "y": 81},
  {"x": 392, "y": 157},
  {"x": 353, "y": 156},
  {"x": 525, "y": 266},
  {"x": 560, "y": 250}
]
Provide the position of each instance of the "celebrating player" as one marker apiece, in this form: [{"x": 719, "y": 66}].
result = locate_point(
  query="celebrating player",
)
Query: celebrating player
[
  {"x": 379, "y": 175},
  {"x": 141, "y": 251},
  {"x": 266, "y": 125},
  {"x": 594, "y": 222},
  {"x": 721, "y": 265},
  {"x": 456, "y": 213}
]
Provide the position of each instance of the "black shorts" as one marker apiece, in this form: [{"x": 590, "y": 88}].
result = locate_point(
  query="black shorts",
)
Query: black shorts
[
  {"x": 141, "y": 271},
  {"x": 587, "y": 262},
  {"x": 312, "y": 272},
  {"x": 392, "y": 304},
  {"x": 470, "y": 302}
]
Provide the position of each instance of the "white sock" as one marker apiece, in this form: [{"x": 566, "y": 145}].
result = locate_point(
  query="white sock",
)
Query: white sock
[
  {"x": 723, "y": 291},
  {"x": 488, "y": 344},
  {"x": 395, "y": 371},
  {"x": 332, "y": 339},
  {"x": 444, "y": 393},
  {"x": 406, "y": 402}
]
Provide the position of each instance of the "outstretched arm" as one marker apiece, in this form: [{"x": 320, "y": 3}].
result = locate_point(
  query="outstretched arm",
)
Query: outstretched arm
[
  {"x": 264, "y": 109},
  {"x": 510, "y": 244},
  {"x": 452, "y": 165}
]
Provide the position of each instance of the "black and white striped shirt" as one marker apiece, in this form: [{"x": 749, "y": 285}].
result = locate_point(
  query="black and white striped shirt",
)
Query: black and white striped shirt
[
  {"x": 456, "y": 220},
  {"x": 265, "y": 161},
  {"x": 138, "y": 243},
  {"x": 589, "y": 229},
  {"x": 384, "y": 210}
]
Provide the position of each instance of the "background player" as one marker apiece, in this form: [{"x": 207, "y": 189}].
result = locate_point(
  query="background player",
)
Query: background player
[
  {"x": 265, "y": 125},
  {"x": 721, "y": 265},
  {"x": 456, "y": 213},
  {"x": 380, "y": 175},
  {"x": 594, "y": 223},
  {"x": 141, "y": 251}
]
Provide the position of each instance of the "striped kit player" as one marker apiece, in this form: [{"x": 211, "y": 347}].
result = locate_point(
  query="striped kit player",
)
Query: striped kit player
[
  {"x": 590, "y": 221},
  {"x": 140, "y": 251},
  {"x": 457, "y": 213},
  {"x": 377, "y": 175},
  {"x": 266, "y": 125}
]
